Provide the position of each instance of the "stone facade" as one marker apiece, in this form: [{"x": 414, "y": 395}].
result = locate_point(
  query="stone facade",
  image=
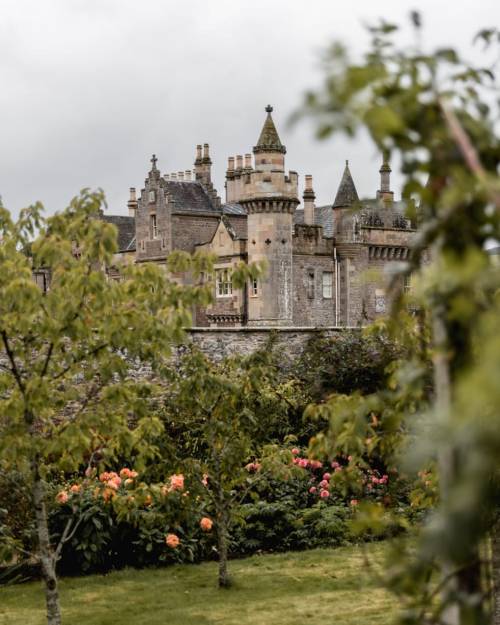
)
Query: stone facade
[{"x": 327, "y": 266}]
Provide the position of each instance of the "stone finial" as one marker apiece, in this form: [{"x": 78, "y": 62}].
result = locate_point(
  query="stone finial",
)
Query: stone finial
[
  {"x": 269, "y": 109},
  {"x": 154, "y": 160},
  {"x": 248, "y": 161}
]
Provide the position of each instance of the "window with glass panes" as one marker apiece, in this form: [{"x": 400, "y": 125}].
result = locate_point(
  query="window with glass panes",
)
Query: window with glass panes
[{"x": 223, "y": 283}]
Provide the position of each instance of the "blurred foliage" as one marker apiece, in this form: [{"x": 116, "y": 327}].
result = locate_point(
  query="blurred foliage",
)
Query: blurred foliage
[{"x": 438, "y": 115}]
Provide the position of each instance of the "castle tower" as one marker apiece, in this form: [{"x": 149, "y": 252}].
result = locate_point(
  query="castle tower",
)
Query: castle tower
[{"x": 270, "y": 198}]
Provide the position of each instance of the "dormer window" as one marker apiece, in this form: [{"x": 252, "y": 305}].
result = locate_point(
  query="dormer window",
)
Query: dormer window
[
  {"x": 151, "y": 197},
  {"x": 153, "y": 228}
]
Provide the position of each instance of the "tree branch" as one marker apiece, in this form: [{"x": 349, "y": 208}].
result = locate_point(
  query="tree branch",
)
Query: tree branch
[{"x": 13, "y": 366}]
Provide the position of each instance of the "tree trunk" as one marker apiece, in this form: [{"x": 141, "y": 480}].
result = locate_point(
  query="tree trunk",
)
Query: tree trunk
[
  {"x": 47, "y": 556},
  {"x": 222, "y": 539},
  {"x": 495, "y": 572}
]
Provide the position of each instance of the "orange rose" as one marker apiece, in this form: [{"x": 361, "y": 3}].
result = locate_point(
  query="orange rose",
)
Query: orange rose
[
  {"x": 172, "y": 540},
  {"x": 206, "y": 524}
]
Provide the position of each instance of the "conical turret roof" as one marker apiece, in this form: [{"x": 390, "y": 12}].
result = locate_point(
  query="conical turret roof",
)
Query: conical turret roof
[
  {"x": 269, "y": 140},
  {"x": 346, "y": 193}
]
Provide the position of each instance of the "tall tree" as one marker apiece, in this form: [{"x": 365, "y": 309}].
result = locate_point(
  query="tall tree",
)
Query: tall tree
[{"x": 69, "y": 338}]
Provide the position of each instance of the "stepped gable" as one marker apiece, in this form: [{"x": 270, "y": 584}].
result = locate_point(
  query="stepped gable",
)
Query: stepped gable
[
  {"x": 189, "y": 197},
  {"x": 346, "y": 193},
  {"x": 269, "y": 140},
  {"x": 126, "y": 231},
  {"x": 323, "y": 216}
]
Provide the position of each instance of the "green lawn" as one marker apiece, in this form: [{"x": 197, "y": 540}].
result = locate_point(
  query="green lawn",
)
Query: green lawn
[{"x": 313, "y": 587}]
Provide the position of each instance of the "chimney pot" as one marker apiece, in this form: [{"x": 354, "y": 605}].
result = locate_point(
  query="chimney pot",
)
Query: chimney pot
[
  {"x": 230, "y": 163},
  {"x": 239, "y": 161},
  {"x": 309, "y": 181},
  {"x": 248, "y": 161}
]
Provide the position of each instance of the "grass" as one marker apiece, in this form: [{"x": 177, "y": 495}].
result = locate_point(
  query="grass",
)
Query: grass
[{"x": 313, "y": 587}]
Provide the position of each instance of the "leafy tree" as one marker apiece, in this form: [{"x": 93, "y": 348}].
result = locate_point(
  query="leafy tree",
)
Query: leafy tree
[
  {"x": 67, "y": 398},
  {"x": 226, "y": 408},
  {"x": 434, "y": 111}
]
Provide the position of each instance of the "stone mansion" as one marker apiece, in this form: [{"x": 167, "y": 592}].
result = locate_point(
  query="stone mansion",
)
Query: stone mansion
[{"x": 327, "y": 266}]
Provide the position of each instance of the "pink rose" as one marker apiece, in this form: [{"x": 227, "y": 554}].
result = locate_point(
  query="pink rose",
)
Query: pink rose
[
  {"x": 62, "y": 496},
  {"x": 316, "y": 464},
  {"x": 204, "y": 479},
  {"x": 295, "y": 451},
  {"x": 324, "y": 484},
  {"x": 312, "y": 490},
  {"x": 335, "y": 464},
  {"x": 76, "y": 488},
  {"x": 324, "y": 494},
  {"x": 177, "y": 482},
  {"x": 326, "y": 476},
  {"x": 354, "y": 502}
]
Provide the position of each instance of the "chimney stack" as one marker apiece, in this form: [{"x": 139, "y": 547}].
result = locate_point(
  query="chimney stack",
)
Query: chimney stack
[
  {"x": 385, "y": 194},
  {"x": 132, "y": 203},
  {"x": 203, "y": 165},
  {"x": 239, "y": 162},
  {"x": 248, "y": 161},
  {"x": 309, "y": 198}
]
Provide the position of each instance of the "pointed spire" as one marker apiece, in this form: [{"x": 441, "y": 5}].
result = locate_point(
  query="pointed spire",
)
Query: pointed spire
[
  {"x": 269, "y": 140},
  {"x": 346, "y": 193}
]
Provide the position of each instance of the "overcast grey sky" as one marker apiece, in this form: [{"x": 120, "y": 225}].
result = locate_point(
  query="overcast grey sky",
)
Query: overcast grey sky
[{"x": 90, "y": 88}]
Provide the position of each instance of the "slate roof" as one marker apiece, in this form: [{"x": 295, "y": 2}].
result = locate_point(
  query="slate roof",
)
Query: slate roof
[
  {"x": 189, "y": 196},
  {"x": 233, "y": 209},
  {"x": 346, "y": 193},
  {"x": 269, "y": 140},
  {"x": 126, "y": 230},
  {"x": 323, "y": 216},
  {"x": 239, "y": 227}
]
